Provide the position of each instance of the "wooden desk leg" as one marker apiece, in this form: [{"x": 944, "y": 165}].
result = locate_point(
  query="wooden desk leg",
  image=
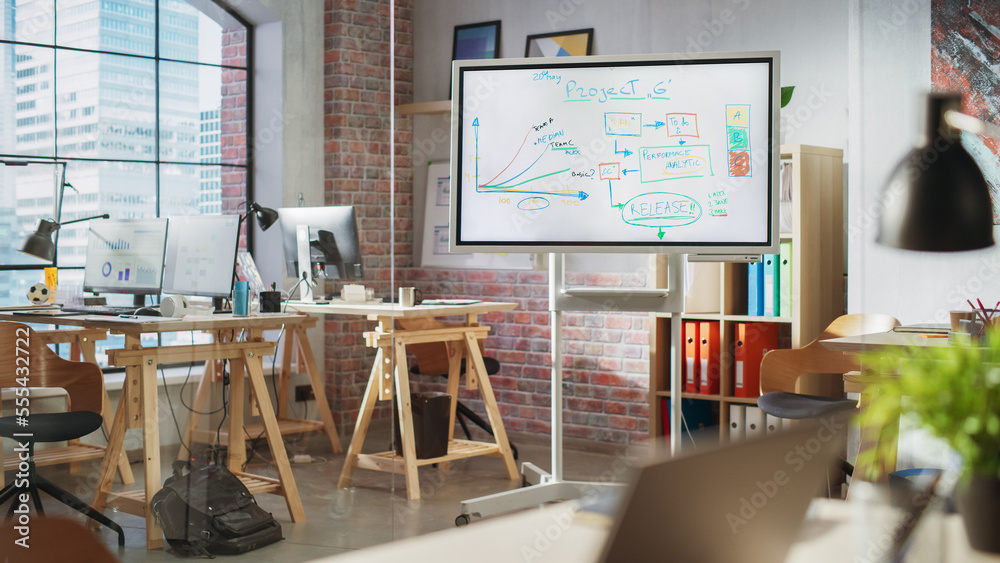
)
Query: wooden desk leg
[
  {"x": 86, "y": 347},
  {"x": 274, "y": 440},
  {"x": 198, "y": 407},
  {"x": 361, "y": 426},
  {"x": 490, "y": 401},
  {"x": 880, "y": 439},
  {"x": 404, "y": 409},
  {"x": 237, "y": 440},
  {"x": 454, "y": 379},
  {"x": 285, "y": 375},
  {"x": 151, "y": 449},
  {"x": 316, "y": 380},
  {"x": 116, "y": 439}
]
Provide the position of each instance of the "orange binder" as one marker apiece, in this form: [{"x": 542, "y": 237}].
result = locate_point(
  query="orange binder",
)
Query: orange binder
[
  {"x": 708, "y": 334},
  {"x": 753, "y": 340},
  {"x": 691, "y": 368}
]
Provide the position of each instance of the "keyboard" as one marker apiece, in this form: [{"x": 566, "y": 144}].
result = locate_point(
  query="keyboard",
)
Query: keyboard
[{"x": 111, "y": 310}]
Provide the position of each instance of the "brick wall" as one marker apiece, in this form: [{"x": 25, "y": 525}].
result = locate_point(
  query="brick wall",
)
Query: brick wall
[
  {"x": 605, "y": 359},
  {"x": 233, "y": 122}
]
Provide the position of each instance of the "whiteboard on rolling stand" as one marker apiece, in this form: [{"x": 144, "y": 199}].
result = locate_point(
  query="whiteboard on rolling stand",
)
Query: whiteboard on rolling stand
[{"x": 435, "y": 248}]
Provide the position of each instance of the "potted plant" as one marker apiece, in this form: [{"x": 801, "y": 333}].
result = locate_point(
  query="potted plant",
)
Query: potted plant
[{"x": 954, "y": 392}]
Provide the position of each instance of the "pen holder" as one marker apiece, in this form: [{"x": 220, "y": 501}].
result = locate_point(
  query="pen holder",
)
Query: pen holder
[{"x": 270, "y": 302}]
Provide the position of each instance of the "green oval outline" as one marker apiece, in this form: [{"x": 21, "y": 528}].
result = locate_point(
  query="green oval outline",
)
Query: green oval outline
[{"x": 694, "y": 201}]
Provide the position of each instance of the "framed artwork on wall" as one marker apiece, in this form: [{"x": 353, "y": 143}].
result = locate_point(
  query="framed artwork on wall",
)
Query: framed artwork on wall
[
  {"x": 560, "y": 44},
  {"x": 476, "y": 41}
]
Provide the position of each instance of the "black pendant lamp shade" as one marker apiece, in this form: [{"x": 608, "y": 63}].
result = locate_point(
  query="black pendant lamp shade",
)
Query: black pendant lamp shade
[{"x": 937, "y": 199}]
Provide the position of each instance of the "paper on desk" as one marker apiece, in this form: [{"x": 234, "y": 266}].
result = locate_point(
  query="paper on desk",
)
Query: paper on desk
[
  {"x": 139, "y": 319},
  {"x": 449, "y": 301}
]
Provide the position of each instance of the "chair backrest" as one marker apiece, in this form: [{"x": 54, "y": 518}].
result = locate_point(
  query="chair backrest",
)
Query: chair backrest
[
  {"x": 28, "y": 362},
  {"x": 431, "y": 357},
  {"x": 781, "y": 369}
]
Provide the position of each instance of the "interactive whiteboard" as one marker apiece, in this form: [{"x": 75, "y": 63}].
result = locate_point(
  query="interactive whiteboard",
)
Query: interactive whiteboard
[{"x": 658, "y": 153}]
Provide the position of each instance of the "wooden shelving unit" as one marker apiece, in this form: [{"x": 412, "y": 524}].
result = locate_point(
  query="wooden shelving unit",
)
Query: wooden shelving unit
[{"x": 817, "y": 285}]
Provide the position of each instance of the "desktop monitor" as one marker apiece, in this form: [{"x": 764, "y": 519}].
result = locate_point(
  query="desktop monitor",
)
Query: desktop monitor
[
  {"x": 334, "y": 246},
  {"x": 201, "y": 255},
  {"x": 125, "y": 256}
]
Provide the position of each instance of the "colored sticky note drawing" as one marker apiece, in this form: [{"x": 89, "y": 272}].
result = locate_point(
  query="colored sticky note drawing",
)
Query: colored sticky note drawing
[
  {"x": 739, "y": 163},
  {"x": 738, "y": 115},
  {"x": 623, "y": 124},
  {"x": 737, "y": 138},
  {"x": 682, "y": 125},
  {"x": 610, "y": 170}
]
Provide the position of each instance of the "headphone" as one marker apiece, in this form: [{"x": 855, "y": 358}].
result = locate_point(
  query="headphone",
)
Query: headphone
[{"x": 175, "y": 306}]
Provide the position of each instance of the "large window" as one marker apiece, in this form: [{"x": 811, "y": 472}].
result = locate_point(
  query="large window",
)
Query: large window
[{"x": 144, "y": 101}]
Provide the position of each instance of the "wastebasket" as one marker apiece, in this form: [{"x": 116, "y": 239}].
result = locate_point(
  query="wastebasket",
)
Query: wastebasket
[{"x": 431, "y": 411}]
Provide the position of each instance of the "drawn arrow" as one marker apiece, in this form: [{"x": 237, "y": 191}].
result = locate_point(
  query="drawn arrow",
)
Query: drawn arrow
[
  {"x": 475, "y": 128},
  {"x": 611, "y": 197},
  {"x": 681, "y": 142},
  {"x": 626, "y": 171},
  {"x": 623, "y": 152},
  {"x": 655, "y": 124},
  {"x": 660, "y": 234},
  {"x": 581, "y": 195}
]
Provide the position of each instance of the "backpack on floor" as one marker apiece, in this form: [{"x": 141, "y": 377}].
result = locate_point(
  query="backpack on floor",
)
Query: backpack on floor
[{"x": 204, "y": 509}]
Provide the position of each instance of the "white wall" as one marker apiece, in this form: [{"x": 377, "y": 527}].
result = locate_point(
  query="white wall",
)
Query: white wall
[
  {"x": 811, "y": 35},
  {"x": 892, "y": 40}
]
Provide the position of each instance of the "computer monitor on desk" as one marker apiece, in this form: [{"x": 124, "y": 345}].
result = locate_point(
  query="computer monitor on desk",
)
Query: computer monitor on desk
[
  {"x": 328, "y": 236},
  {"x": 126, "y": 256},
  {"x": 201, "y": 256}
]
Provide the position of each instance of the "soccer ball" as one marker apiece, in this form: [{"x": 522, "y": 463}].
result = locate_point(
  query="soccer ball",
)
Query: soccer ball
[{"x": 38, "y": 293}]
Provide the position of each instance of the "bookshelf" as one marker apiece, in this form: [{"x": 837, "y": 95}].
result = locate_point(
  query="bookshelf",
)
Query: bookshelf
[{"x": 817, "y": 292}]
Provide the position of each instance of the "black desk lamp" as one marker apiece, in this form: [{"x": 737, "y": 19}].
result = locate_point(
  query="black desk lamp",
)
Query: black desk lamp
[
  {"x": 265, "y": 216},
  {"x": 40, "y": 243},
  {"x": 942, "y": 200}
]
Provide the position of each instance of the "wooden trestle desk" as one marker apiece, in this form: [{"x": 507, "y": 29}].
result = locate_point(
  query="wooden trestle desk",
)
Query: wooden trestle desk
[
  {"x": 138, "y": 406},
  {"x": 418, "y": 325}
]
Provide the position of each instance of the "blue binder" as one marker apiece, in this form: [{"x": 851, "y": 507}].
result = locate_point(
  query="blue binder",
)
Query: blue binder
[
  {"x": 755, "y": 289},
  {"x": 772, "y": 281}
]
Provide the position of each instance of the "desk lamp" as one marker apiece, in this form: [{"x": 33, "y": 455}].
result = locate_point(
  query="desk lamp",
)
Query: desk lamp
[
  {"x": 40, "y": 243},
  {"x": 943, "y": 200},
  {"x": 265, "y": 216}
]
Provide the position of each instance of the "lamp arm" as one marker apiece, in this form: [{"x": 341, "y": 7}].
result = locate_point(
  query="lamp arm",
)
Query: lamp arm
[
  {"x": 966, "y": 122},
  {"x": 103, "y": 216}
]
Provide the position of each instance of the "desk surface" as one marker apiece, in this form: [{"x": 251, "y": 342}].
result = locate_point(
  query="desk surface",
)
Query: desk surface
[
  {"x": 374, "y": 310},
  {"x": 546, "y": 535},
  {"x": 879, "y": 340},
  {"x": 205, "y": 322}
]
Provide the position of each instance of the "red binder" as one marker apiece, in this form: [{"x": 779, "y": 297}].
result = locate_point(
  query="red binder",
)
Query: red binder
[
  {"x": 708, "y": 334},
  {"x": 692, "y": 367},
  {"x": 753, "y": 340}
]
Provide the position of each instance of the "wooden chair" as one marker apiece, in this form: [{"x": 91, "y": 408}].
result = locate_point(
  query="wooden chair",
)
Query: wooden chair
[
  {"x": 780, "y": 370},
  {"x": 29, "y": 363}
]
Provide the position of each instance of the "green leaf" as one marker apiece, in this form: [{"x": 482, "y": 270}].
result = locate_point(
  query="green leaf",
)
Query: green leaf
[{"x": 786, "y": 95}]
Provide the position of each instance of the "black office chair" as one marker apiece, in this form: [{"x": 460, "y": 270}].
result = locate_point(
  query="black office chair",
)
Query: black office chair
[
  {"x": 29, "y": 363},
  {"x": 433, "y": 358}
]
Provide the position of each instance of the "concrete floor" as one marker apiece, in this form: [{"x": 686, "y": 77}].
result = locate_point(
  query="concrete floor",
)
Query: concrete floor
[{"x": 373, "y": 511}]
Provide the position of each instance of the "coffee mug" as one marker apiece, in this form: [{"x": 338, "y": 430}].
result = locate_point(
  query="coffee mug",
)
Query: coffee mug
[{"x": 409, "y": 296}]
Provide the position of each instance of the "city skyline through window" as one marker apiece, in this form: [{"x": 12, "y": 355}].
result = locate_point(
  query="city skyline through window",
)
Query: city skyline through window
[{"x": 146, "y": 103}]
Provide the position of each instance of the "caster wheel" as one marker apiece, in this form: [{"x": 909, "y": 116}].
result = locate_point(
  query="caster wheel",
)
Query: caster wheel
[{"x": 461, "y": 520}]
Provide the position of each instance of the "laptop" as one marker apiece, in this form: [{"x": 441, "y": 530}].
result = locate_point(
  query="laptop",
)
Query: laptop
[{"x": 741, "y": 502}]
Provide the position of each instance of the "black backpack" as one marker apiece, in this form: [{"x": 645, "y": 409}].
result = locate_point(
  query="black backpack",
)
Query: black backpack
[{"x": 204, "y": 509}]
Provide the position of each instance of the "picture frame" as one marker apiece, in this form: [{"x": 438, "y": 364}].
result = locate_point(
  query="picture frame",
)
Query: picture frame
[
  {"x": 476, "y": 41},
  {"x": 578, "y": 42}
]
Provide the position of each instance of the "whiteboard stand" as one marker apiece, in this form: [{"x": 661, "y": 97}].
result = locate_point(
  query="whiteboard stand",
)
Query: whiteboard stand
[{"x": 544, "y": 487}]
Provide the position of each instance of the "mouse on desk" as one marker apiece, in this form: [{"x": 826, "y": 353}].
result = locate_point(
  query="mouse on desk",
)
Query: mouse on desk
[{"x": 148, "y": 312}]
